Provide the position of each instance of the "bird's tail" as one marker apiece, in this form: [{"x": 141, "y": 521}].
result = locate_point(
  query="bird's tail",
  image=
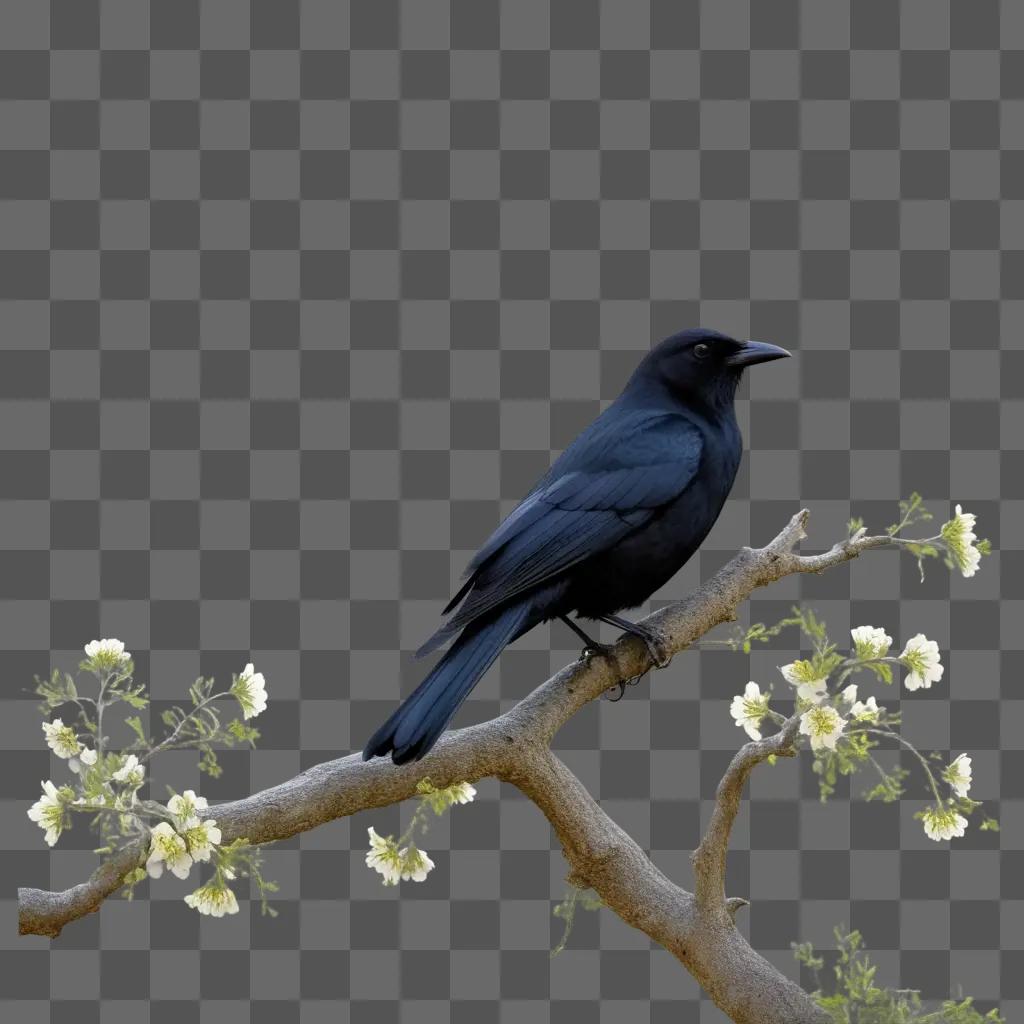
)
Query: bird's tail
[{"x": 415, "y": 726}]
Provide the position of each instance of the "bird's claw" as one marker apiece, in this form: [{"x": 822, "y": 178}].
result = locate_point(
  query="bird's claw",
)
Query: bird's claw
[
  {"x": 657, "y": 647},
  {"x": 622, "y": 689},
  {"x": 622, "y": 684}
]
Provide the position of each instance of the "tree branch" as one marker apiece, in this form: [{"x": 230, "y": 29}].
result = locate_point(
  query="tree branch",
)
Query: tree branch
[
  {"x": 515, "y": 747},
  {"x": 710, "y": 856}
]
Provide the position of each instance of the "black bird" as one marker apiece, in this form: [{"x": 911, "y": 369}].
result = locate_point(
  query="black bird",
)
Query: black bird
[{"x": 615, "y": 517}]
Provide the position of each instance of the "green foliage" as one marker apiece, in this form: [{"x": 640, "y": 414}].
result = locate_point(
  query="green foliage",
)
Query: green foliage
[
  {"x": 912, "y": 511},
  {"x": 236, "y": 730},
  {"x": 890, "y": 785},
  {"x": 881, "y": 669},
  {"x": 857, "y": 999},
  {"x": 58, "y": 689},
  {"x": 852, "y": 751},
  {"x": 812, "y": 627},
  {"x": 566, "y": 910},
  {"x": 131, "y": 880},
  {"x": 200, "y": 727},
  {"x": 209, "y": 765},
  {"x": 242, "y": 860},
  {"x": 744, "y": 639},
  {"x": 134, "y": 722}
]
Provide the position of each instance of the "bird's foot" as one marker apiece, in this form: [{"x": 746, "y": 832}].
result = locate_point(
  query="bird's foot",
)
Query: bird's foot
[
  {"x": 655, "y": 641},
  {"x": 657, "y": 645}
]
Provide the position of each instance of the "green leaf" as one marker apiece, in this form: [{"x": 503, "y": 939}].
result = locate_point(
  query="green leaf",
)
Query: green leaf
[
  {"x": 882, "y": 670},
  {"x": 133, "y": 698},
  {"x": 131, "y": 880},
  {"x": 567, "y": 911},
  {"x": 209, "y": 764},
  {"x": 857, "y": 998},
  {"x": 58, "y": 689},
  {"x": 135, "y": 724},
  {"x": 911, "y": 511},
  {"x": 852, "y": 751},
  {"x": 236, "y": 731},
  {"x": 890, "y": 786}
]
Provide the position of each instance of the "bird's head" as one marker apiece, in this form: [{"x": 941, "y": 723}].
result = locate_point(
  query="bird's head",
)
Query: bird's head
[{"x": 703, "y": 366}]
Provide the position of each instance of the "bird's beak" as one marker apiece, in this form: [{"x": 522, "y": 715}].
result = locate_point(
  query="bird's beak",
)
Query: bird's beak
[{"x": 751, "y": 352}]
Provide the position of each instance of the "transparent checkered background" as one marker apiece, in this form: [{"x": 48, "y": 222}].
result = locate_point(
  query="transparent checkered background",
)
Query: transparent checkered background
[{"x": 296, "y": 300}]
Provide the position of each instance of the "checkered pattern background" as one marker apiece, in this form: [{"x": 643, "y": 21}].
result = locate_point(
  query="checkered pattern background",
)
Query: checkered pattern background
[{"x": 296, "y": 300}]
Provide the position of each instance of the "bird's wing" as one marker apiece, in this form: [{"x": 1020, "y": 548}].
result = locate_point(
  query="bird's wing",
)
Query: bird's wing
[
  {"x": 593, "y": 496},
  {"x": 617, "y": 442}
]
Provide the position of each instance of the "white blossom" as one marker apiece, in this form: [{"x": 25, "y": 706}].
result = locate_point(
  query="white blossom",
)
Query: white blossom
[
  {"x": 870, "y": 642},
  {"x": 416, "y": 865},
  {"x": 921, "y": 656},
  {"x": 213, "y": 899},
  {"x": 131, "y": 773},
  {"x": 61, "y": 739},
  {"x": 748, "y": 708},
  {"x": 866, "y": 709},
  {"x": 106, "y": 654},
  {"x": 185, "y": 805},
  {"x": 48, "y": 812},
  {"x": 943, "y": 823},
  {"x": 86, "y": 757},
  {"x": 384, "y": 857},
  {"x": 959, "y": 536},
  {"x": 809, "y": 685},
  {"x": 462, "y": 792},
  {"x": 850, "y": 693},
  {"x": 166, "y": 846},
  {"x": 201, "y": 836},
  {"x": 958, "y": 775},
  {"x": 823, "y": 724},
  {"x": 250, "y": 690}
]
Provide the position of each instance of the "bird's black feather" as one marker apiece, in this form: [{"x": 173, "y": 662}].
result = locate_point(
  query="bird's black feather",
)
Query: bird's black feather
[{"x": 616, "y": 515}]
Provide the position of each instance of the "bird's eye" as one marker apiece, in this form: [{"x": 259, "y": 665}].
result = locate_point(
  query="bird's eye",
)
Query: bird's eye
[{"x": 701, "y": 351}]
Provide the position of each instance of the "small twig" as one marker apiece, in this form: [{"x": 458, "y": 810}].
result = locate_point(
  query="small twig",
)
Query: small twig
[
  {"x": 917, "y": 753},
  {"x": 710, "y": 856},
  {"x": 168, "y": 741}
]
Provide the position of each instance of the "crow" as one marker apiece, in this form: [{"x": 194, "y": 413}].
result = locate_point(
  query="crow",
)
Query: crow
[{"x": 619, "y": 512}]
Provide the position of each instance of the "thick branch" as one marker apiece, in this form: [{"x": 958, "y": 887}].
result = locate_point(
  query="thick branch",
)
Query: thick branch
[
  {"x": 605, "y": 858},
  {"x": 515, "y": 747},
  {"x": 601, "y": 855},
  {"x": 334, "y": 789}
]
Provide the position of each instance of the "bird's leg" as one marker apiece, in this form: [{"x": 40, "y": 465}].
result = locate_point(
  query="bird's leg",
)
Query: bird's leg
[
  {"x": 594, "y": 647},
  {"x": 656, "y": 645}
]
